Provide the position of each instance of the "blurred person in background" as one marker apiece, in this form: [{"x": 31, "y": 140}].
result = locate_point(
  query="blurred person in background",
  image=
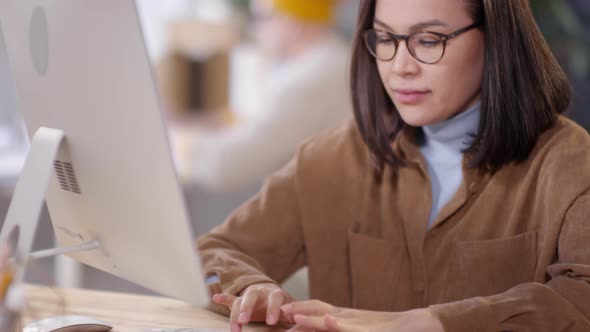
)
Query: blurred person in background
[{"x": 303, "y": 92}]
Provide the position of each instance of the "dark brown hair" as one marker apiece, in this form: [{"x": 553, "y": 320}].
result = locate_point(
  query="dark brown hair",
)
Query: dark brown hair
[{"x": 523, "y": 87}]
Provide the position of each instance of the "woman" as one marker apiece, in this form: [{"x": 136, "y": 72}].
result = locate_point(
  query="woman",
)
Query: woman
[{"x": 456, "y": 202}]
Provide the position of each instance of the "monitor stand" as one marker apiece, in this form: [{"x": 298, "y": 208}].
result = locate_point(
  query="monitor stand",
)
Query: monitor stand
[{"x": 28, "y": 200}]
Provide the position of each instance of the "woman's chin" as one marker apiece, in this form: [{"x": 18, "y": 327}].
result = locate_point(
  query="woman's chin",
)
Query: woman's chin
[{"x": 417, "y": 118}]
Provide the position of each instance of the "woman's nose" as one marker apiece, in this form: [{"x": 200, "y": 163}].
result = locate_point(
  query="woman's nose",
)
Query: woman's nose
[{"x": 403, "y": 63}]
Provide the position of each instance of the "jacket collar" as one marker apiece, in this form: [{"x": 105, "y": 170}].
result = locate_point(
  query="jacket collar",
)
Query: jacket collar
[{"x": 406, "y": 146}]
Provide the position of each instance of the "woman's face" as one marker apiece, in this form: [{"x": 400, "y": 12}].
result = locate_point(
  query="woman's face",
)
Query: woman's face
[{"x": 426, "y": 94}]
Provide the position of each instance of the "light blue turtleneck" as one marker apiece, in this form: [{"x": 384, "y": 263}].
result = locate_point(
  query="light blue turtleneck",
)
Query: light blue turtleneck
[{"x": 443, "y": 150}]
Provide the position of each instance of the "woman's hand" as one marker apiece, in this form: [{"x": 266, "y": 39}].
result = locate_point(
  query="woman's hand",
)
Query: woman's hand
[
  {"x": 257, "y": 303},
  {"x": 320, "y": 316}
]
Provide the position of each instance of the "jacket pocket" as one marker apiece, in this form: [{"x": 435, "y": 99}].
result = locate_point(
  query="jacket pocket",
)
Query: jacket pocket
[
  {"x": 374, "y": 269},
  {"x": 483, "y": 268}
]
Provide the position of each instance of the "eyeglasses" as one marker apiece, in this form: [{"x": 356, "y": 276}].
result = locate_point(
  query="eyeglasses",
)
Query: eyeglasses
[{"x": 426, "y": 47}]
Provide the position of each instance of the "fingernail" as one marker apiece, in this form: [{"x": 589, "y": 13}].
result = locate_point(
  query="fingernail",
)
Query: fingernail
[
  {"x": 271, "y": 320},
  {"x": 235, "y": 328},
  {"x": 243, "y": 319}
]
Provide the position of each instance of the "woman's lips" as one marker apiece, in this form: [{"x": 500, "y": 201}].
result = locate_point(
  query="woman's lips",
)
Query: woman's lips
[{"x": 408, "y": 96}]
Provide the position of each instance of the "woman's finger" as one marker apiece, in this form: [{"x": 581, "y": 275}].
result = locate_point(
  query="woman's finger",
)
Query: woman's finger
[
  {"x": 332, "y": 323},
  {"x": 313, "y": 307},
  {"x": 273, "y": 310},
  {"x": 249, "y": 301},
  {"x": 317, "y": 323},
  {"x": 224, "y": 299},
  {"x": 233, "y": 317},
  {"x": 326, "y": 323}
]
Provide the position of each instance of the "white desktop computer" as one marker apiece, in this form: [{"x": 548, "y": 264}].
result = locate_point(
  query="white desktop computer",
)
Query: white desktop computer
[{"x": 99, "y": 154}]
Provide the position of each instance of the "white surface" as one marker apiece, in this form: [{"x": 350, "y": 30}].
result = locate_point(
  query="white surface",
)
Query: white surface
[
  {"x": 99, "y": 90},
  {"x": 68, "y": 272},
  {"x": 29, "y": 195},
  {"x": 246, "y": 66}
]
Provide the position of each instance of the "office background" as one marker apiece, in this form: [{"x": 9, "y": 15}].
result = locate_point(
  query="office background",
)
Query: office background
[{"x": 196, "y": 47}]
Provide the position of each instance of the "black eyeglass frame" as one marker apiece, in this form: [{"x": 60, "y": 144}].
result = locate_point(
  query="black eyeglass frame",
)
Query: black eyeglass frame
[{"x": 396, "y": 39}]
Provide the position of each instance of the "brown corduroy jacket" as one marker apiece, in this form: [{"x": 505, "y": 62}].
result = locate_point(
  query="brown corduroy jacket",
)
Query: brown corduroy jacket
[{"x": 509, "y": 252}]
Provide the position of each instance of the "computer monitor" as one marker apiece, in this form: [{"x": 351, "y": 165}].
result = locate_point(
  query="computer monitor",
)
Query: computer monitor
[{"x": 99, "y": 146}]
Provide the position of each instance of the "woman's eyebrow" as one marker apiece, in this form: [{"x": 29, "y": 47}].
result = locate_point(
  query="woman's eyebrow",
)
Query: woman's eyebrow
[
  {"x": 377, "y": 21},
  {"x": 415, "y": 27}
]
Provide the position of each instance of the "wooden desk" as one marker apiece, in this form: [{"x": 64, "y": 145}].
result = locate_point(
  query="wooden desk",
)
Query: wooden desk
[{"x": 126, "y": 312}]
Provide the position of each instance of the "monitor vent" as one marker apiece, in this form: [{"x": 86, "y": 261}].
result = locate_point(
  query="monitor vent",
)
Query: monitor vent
[{"x": 66, "y": 176}]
